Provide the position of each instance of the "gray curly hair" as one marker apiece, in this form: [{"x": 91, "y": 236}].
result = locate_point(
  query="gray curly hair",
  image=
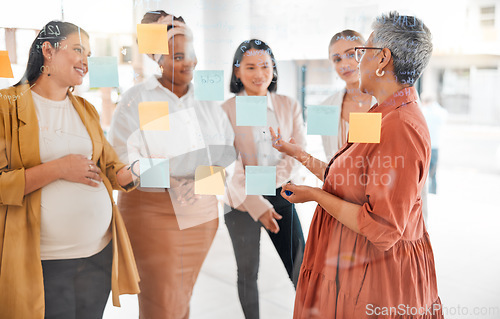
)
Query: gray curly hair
[{"x": 410, "y": 42}]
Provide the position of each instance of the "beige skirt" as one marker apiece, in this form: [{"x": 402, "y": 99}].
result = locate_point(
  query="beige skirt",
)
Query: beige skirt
[{"x": 168, "y": 259}]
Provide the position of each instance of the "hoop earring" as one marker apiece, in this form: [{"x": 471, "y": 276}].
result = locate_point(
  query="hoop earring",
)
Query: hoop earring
[
  {"x": 379, "y": 74},
  {"x": 44, "y": 68}
]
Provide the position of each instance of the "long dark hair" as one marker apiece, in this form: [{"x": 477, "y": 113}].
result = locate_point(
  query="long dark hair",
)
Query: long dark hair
[
  {"x": 53, "y": 32},
  {"x": 235, "y": 86},
  {"x": 153, "y": 16}
]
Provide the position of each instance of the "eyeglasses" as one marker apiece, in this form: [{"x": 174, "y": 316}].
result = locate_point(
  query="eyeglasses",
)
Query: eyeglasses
[{"x": 359, "y": 52}]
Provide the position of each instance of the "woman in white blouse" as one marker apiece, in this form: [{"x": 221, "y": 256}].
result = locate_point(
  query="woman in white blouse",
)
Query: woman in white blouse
[
  {"x": 255, "y": 74},
  {"x": 172, "y": 229}
]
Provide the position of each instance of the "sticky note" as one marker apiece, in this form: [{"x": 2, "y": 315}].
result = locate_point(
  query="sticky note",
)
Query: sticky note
[
  {"x": 365, "y": 127},
  {"x": 154, "y": 172},
  {"x": 5, "y": 67},
  {"x": 209, "y": 180},
  {"x": 260, "y": 180},
  {"x": 103, "y": 71},
  {"x": 153, "y": 116},
  {"x": 152, "y": 38},
  {"x": 251, "y": 110},
  {"x": 209, "y": 85},
  {"x": 323, "y": 119}
]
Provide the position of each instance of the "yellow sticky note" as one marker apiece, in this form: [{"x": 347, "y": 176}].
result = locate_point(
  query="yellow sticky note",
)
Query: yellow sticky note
[
  {"x": 152, "y": 38},
  {"x": 209, "y": 180},
  {"x": 5, "y": 67},
  {"x": 153, "y": 116},
  {"x": 365, "y": 127}
]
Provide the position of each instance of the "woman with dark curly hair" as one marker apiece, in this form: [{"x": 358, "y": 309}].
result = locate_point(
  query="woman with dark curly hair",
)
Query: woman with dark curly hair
[{"x": 171, "y": 229}]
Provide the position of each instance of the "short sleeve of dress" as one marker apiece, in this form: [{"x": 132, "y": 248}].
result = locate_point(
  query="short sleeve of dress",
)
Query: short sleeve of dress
[{"x": 395, "y": 173}]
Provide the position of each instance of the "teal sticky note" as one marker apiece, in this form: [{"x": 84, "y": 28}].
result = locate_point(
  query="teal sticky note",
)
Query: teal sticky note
[
  {"x": 209, "y": 85},
  {"x": 260, "y": 180},
  {"x": 154, "y": 172},
  {"x": 103, "y": 71},
  {"x": 251, "y": 110},
  {"x": 323, "y": 119}
]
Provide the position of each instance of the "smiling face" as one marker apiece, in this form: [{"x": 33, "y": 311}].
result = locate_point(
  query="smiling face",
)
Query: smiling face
[
  {"x": 342, "y": 57},
  {"x": 67, "y": 63},
  {"x": 255, "y": 72},
  {"x": 177, "y": 67}
]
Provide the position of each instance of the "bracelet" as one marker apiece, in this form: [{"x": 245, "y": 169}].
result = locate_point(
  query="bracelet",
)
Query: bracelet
[
  {"x": 305, "y": 161},
  {"x": 131, "y": 168}
]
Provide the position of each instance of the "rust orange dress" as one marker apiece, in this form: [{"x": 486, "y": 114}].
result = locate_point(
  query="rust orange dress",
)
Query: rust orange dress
[{"x": 386, "y": 271}]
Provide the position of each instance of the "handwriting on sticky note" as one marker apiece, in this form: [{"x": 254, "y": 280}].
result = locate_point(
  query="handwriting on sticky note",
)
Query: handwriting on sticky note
[
  {"x": 251, "y": 110},
  {"x": 209, "y": 85},
  {"x": 5, "y": 66},
  {"x": 209, "y": 180},
  {"x": 152, "y": 38},
  {"x": 154, "y": 172},
  {"x": 323, "y": 119},
  {"x": 103, "y": 71},
  {"x": 365, "y": 127},
  {"x": 260, "y": 180},
  {"x": 153, "y": 116}
]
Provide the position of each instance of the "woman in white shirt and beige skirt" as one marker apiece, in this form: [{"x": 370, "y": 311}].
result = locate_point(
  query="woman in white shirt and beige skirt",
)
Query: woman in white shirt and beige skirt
[{"x": 171, "y": 229}]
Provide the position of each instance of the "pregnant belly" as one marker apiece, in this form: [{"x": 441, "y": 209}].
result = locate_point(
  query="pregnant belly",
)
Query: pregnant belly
[{"x": 74, "y": 215}]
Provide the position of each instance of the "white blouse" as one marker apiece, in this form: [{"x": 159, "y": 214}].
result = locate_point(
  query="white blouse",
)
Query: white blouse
[
  {"x": 196, "y": 127},
  {"x": 200, "y": 134}
]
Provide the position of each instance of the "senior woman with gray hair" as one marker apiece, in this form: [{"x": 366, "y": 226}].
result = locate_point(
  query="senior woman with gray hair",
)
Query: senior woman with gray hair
[{"x": 368, "y": 254}]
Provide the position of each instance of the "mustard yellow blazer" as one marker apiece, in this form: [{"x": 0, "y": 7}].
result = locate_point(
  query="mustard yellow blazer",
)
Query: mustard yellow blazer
[{"x": 21, "y": 281}]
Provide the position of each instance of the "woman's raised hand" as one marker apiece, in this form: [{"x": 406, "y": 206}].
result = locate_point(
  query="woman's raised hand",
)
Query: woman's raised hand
[
  {"x": 289, "y": 148},
  {"x": 79, "y": 169}
]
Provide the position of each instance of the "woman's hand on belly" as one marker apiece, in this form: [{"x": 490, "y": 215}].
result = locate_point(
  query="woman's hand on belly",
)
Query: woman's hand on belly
[{"x": 79, "y": 169}]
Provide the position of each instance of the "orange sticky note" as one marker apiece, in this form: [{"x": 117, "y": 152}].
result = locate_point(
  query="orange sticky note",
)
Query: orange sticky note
[
  {"x": 5, "y": 67},
  {"x": 152, "y": 38},
  {"x": 209, "y": 180},
  {"x": 365, "y": 127},
  {"x": 153, "y": 116}
]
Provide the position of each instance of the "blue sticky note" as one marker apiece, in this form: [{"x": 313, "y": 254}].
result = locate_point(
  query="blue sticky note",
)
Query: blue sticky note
[
  {"x": 209, "y": 85},
  {"x": 103, "y": 71},
  {"x": 323, "y": 119},
  {"x": 251, "y": 110},
  {"x": 155, "y": 172},
  {"x": 260, "y": 180}
]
